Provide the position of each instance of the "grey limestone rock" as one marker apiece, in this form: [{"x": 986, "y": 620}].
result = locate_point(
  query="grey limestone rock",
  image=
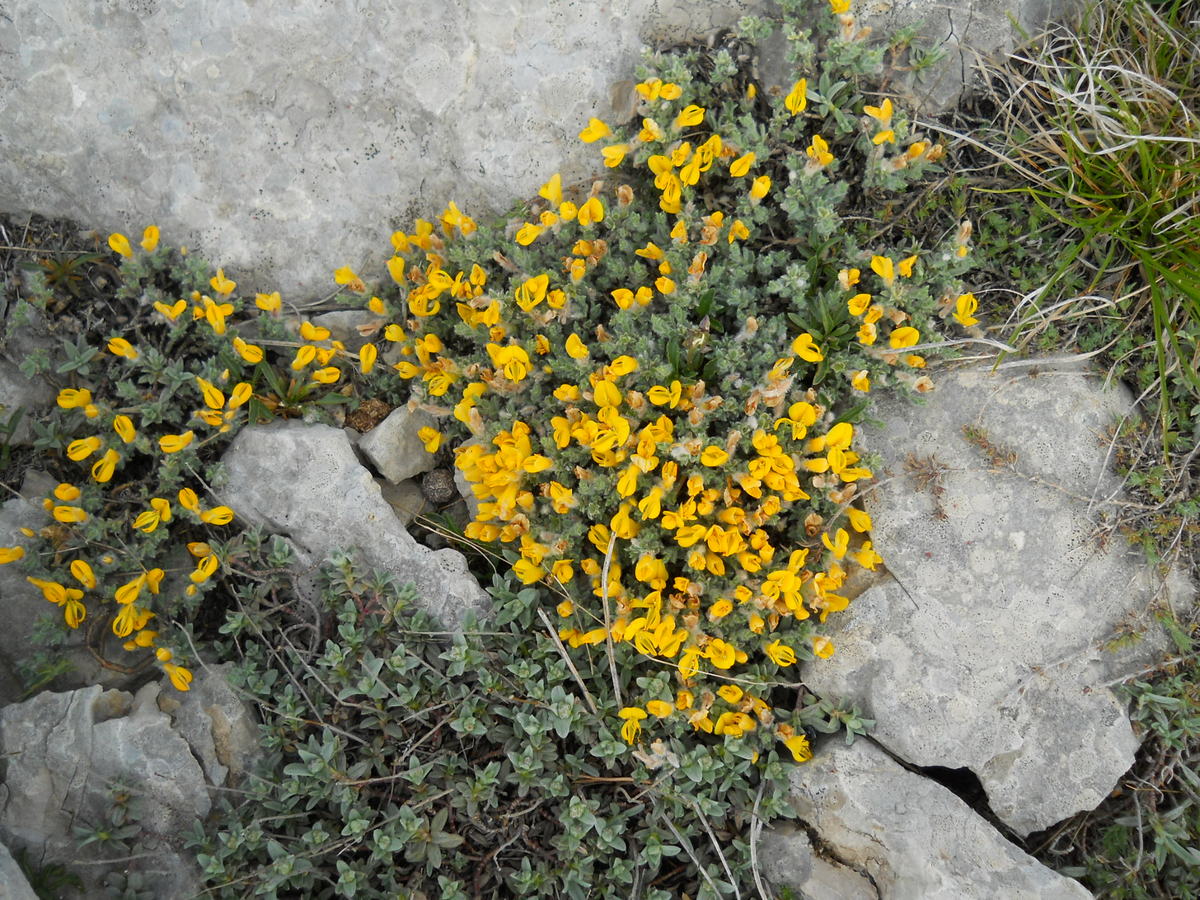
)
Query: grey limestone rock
[
  {"x": 13, "y": 883},
  {"x": 991, "y": 648},
  {"x": 20, "y": 395},
  {"x": 787, "y": 857},
  {"x": 304, "y": 481},
  {"x": 217, "y": 724},
  {"x": 393, "y": 446},
  {"x": 64, "y": 752},
  {"x": 912, "y": 837}
]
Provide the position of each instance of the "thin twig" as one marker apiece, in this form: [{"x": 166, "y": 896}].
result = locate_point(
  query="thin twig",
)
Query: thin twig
[
  {"x": 717, "y": 846},
  {"x": 756, "y": 826},
  {"x": 688, "y": 851},
  {"x": 608, "y": 641},
  {"x": 567, "y": 659}
]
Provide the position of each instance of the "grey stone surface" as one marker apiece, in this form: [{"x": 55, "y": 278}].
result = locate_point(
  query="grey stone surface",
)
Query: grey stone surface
[
  {"x": 263, "y": 133},
  {"x": 965, "y": 33},
  {"x": 13, "y": 883},
  {"x": 914, "y": 838},
  {"x": 990, "y": 649},
  {"x": 64, "y": 751},
  {"x": 217, "y": 724},
  {"x": 18, "y": 393},
  {"x": 405, "y": 498},
  {"x": 393, "y": 446},
  {"x": 304, "y": 481},
  {"x": 787, "y": 858}
]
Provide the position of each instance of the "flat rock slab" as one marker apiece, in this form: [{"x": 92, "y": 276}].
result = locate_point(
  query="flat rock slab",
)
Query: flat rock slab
[
  {"x": 992, "y": 648},
  {"x": 914, "y": 838},
  {"x": 304, "y": 482}
]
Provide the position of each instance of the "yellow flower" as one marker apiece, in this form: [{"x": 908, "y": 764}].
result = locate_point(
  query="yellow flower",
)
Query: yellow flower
[
  {"x": 552, "y": 190},
  {"x": 860, "y": 381},
  {"x": 905, "y": 266},
  {"x": 205, "y": 569},
  {"x": 867, "y": 557},
  {"x": 527, "y": 572},
  {"x": 689, "y": 116},
  {"x": 431, "y": 438},
  {"x": 713, "y": 456},
  {"x": 150, "y": 238},
  {"x": 218, "y": 515},
  {"x": 69, "y": 514},
  {"x": 904, "y": 337},
  {"x": 221, "y": 284},
  {"x": 613, "y": 154},
  {"x": 761, "y": 185},
  {"x": 632, "y": 727},
  {"x": 867, "y": 334},
  {"x": 122, "y": 347},
  {"x": 964, "y": 310},
  {"x": 839, "y": 544},
  {"x": 563, "y": 572},
  {"x": 721, "y": 654},
  {"x": 884, "y": 137},
  {"x": 660, "y": 708},
  {"x": 741, "y": 165},
  {"x": 804, "y": 347},
  {"x": 882, "y": 112},
  {"x": 882, "y": 266},
  {"x": 822, "y": 646},
  {"x": 181, "y": 678},
  {"x": 798, "y": 744},
  {"x": 268, "y": 302},
  {"x": 664, "y": 285},
  {"x": 594, "y": 131},
  {"x": 576, "y": 348},
  {"x": 67, "y": 492},
  {"x": 512, "y": 361},
  {"x": 120, "y": 244},
  {"x": 818, "y": 151},
  {"x": 797, "y": 98},
  {"x": 123, "y": 426},
  {"x": 780, "y": 653},
  {"x": 528, "y": 233},
  {"x": 105, "y": 466},
  {"x": 11, "y": 554},
  {"x": 68, "y": 398},
  {"x": 74, "y": 612},
  {"x": 592, "y": 211},
  {"x": 730, "y": 693},
  {"x": 738, "y": 231},
  {"x": 173, "y": 443},
  {"x": 172, "y": 312}
]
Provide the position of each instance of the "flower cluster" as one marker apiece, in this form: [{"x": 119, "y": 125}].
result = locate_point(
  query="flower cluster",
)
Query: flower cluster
[{"x": 669, "y": 461}]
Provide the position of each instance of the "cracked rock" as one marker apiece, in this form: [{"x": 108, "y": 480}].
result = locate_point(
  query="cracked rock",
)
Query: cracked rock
[
  {"x": 304, "y": 482},
  {"x": 994, "y": 647},
  {"x": 914, "y": 838}
]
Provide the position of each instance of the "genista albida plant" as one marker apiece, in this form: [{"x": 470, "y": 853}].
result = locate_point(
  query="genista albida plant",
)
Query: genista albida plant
[{"x": 651, "y": 384}]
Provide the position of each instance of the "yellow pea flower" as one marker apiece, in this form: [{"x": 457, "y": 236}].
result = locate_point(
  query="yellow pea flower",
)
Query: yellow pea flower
[
  {"x": 218, "y": 515},
  {"x": 173, "y": 443},
  {"x": 738, "y": 231},
  {"x": 689, "y": 116},
  {"x": 861, "y": 381},
  {"x": 805, "y": 347},
  {"x": 761, "y": 185},
  {"x": 822, "y": 646},
  {"x": 304, "y": 355},
  {"x": 69, "y": 398},
  {"x": 670, "y": 91},
  {"x": 867, "y": 557},
  {"x": 74, "y": 612},
  {"x": 123, "y": 426},
  {"x": 80, "y": 449},
  {"x": 904, "y": 337},
  {"x": 713, "y": 456},
  {"x": 268, "y": 302},
  {"x": 69, "y": 514},
  {"x": 575, "y": 347},
  {"x": 797, "y": 98},
  {"x": 592, "y": 211},
  {"x": 528, "y": 233},
  {"x": 552, "y": 190},
  {"x": 882, "y": 266},
  {"x": 150, "y": 238},
  {"x": 594, "y": 131},
  {"x": 67, "y": 492},
  {"x": 311, "y": 332},
  {"x": 613, "y": 154},
  {"x": 780, "y": 653},
  {"x": 882, "y": 112},
  {"x": 120, "y": 244},
  {"x": 172, "y": 312},
  {"x": 221, "y": 284},
  {"x": 741, "y": 165},
  {"x": 213, "y": 396},
  {"x": 105, "y": 466},
  {"x": 651, "y": 132},
  {"x": 886, "y": 136},
  {"x": 122, "y": 347},
  {"x": 189, "y": 501},
  {"x": 721, "y": 654},
  {"x": 660, "y": 708},
  {"x": 181, "y": 678},
  {"x": 964, "y": 310},
  {"x": 11, "y": 554},
  {"x": 905, "y": 266},
  {"x": 818, "y": 151},
  {"x": 838, "y": 545},
  {"x": 798, "y": 744},
  {"x": 867, "y": 334},
  {"x": 632, "y": 727}
]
